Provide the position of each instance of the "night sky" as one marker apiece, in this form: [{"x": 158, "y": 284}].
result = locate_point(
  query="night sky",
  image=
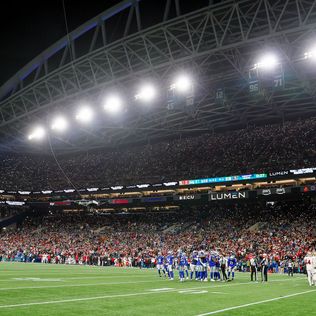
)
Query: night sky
[{"x": 29, "y": 27}]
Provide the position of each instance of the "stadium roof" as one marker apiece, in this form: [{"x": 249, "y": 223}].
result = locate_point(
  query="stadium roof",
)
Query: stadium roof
[{"x": 216, "y": 44}]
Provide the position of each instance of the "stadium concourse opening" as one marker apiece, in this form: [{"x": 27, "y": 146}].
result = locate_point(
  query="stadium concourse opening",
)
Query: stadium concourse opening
[{"x": 159, "y": 158}]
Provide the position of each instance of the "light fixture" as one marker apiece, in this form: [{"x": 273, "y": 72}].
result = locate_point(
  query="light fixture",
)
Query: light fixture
[
  {"x": 267, "y": 62},
  {"x": 310, "y": 54},
  {"x": 113, "y": 104},
  {"x": 146, "y": 93},
  {"x": 182, "y": 84},
  {"x": 37, "y": 134},
  {"x": 84, "y": 115},
  {"x": 59, "y": 124}
]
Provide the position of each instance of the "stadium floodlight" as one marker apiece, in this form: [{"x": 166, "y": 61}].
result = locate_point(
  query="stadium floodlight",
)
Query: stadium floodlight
[
  {"x": 113, "y": 104},
  {"x": 146, "y": 93},
  {"x": 267, "y": 62},
  {"x": 310, "y": 54},
  {"x": 85, "y": 114},
  {"x": 37, "y": 134},
  {"x": 182, "y": 84},
  {"x": 59, "y": 124}
]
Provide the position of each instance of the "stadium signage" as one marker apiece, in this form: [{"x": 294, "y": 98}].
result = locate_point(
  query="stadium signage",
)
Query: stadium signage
[
  {"x": 60, "y": 203},
  {"x": 119, "y": 201},
  {"x": 87, "y": 202},
  {"x": 141, "y": 186},
  {"x": 17, "y": 203},
  {"x": 292, "y": 171},
  {"x": 278, "y": 173},
  {"x": 308, "y": 188},
  {"x": 47, "y": 191},
  {"x": 118, "y": 187},
  {"x": 154, "y": 199},
  {"x": 303, "y": 171},
  {"x": 169, "y": 184},
  {"x": 228, "y": 196},
  {"x": 224, "y": 179},
  {"x": 92, "y": 189},
  {"x": 69, "y": 190},
  {"x": 279, "y": 191},
  {"x": 24, "y": 192},
  {"x": 188, "y": 197}
]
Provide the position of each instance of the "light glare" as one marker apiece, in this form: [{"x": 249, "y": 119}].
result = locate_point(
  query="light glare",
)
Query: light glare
[
  {"x": 37, "y": 134},
  {"x": 146, "y": 93},
  {"x": 267, "y": 62},
  {"x": 311, "y": 54},
  {"x": 182, "y": 84},
  {"x": 59, "y": 124},
  {"x": 84, "y": 115},
  {"x": 113, "y": 104}
]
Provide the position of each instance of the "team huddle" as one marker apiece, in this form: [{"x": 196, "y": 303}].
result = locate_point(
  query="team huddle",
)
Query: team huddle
[
  {"x": 196, "y": 267},
  {"x": 220, "y": 268}
]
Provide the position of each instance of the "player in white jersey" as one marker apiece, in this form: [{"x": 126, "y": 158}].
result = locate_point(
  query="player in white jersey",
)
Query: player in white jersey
[{"x": 308, "y": 260}]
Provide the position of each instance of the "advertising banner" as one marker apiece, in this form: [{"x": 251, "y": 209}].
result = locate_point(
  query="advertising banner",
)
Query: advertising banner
[{"x": 217, "y": 196}]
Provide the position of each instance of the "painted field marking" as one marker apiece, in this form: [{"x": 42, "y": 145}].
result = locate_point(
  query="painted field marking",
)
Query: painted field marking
[
  {"x": 127, "y": 282},
  {"x": 189, "y": 291},
  {"x": 114, "y": 296},
  {"x": 38, "y": 279},
  {"x": 68, "y": 285},
  {"x": 162, "y": 289},
  {"x": 255, "y": 303}
]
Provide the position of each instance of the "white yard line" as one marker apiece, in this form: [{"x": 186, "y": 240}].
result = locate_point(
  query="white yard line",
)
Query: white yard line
[
  {"x": 69, "y": 285},
  {"x": 114, "y": 283},
  {"x": 255, "y": 303},
  {"x": 121, "y": 295}
]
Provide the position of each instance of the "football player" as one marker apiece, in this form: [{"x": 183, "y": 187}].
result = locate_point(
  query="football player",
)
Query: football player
[
  {"x": 193, "y": 265},
  {"x": 231, "y": 262},
  {"x": 160, "y": 264},
  {"x": 170, "y": 262}
]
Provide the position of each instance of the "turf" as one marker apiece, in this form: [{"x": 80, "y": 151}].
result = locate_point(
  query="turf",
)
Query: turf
[{"x": 36, "y": 289}]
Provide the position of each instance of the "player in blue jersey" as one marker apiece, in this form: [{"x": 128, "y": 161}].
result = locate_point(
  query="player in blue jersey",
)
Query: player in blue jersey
[
  {"x": 202, "y": 263},
  {"x": 212, "y": 264},
  {"x": 170, "y": 262},
  {"x": 160, "y": 264},
  {"x": 231, "y": 263},
  {"x": 165, "y": 265},
  {"x": 182, "y": 264},
  {"x": 193, "y": 265}
]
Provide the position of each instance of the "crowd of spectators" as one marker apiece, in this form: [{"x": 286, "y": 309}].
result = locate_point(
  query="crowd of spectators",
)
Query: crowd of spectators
[
  {"x": 282, "y": 231},
  {"x": 256, "y": 149}
]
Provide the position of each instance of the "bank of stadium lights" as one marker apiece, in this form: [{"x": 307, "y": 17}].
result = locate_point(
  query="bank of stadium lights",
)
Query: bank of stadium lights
[
  {"x": 310, "y": 54},
  {"x": 113, "y": 104},
  {"x": 84, "y": 115},
  {"x": 146, "y": 93},
  {"x": 59, "y": 124},
  {"x": 182, "y": 84},
  {"x": 267, "y": 62},
  {"x": 38, "y": 133}
]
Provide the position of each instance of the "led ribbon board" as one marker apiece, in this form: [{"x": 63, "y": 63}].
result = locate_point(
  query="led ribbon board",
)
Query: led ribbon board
[{"x": 224, "y": 179}]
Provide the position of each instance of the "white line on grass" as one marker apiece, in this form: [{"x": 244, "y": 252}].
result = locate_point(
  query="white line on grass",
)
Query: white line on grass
[
  {"x": 114, "y": 283},
  {"x": 68, "y": 285},
  {"x": 117, "y": 295},
  {"x": 255, "y": 303}
]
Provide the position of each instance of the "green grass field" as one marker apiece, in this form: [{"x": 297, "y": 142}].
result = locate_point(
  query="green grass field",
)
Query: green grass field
[{"x": 36, "y": 289}]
